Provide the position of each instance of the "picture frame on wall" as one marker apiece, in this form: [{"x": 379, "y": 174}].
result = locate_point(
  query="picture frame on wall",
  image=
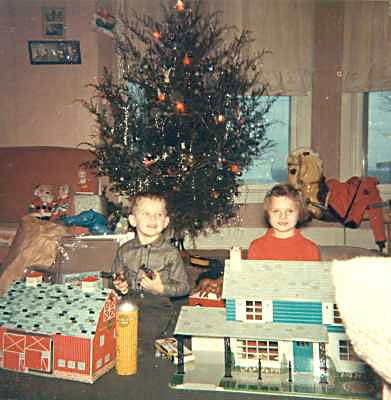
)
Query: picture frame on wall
[
  {"x": 53, "y": 21},
  {"x": 54, "y": 51}
]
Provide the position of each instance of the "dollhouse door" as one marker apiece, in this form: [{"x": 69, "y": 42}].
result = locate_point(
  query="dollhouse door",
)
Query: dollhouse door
[{"x": 303, "y": 356}]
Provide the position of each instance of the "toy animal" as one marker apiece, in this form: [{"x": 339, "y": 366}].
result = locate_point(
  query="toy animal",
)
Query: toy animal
[
  {"x": 94, "y": 221},
  {"x": 330, "y": 200}
]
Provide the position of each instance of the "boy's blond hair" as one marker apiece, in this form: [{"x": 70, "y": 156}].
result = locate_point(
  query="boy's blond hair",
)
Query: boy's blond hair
[
  {"x": 135, "y": 201},
  {"x": 285, "y": 190}
]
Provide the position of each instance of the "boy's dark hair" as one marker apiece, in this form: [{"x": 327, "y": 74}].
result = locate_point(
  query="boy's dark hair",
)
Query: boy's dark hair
[
  {"x": 147, "y": 195},
  {"x": 285, "y": 190}
]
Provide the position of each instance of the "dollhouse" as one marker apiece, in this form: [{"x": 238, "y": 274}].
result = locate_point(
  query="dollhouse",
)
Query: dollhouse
[
  {"x": 280, "y": 331},
  {"x": 57, "y": 330}
]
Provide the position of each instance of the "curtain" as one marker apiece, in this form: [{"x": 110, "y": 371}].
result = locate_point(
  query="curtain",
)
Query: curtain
[{"x": 367, "y": 46}]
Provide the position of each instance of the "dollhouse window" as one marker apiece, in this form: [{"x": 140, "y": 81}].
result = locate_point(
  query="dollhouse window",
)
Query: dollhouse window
[
  {"x": 107, "y": 358},
  {"x": 258, "y": 349},
  {"x": 99, "y": 363},
  {"x": 101, "y": 340},
  {"x": 346, "y": 351},
  {"x": 253, "y": 310},
  {"x": 81, "y": 366},
  {"x": 61, "y": 363},
  {"x": 71, "y": 364},
  {"x": 337, "y": 315}
]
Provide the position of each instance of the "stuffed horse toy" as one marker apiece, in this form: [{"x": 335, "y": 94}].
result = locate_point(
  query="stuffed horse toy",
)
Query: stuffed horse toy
[{"x": 331, "y": 200}]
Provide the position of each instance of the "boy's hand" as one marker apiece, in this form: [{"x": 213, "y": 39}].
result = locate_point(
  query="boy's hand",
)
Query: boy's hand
[
  {"x": 154, "y": 285},
  {"x": 120, "y": 283}
]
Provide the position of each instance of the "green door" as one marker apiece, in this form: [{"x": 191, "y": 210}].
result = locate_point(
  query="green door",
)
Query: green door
[{"x": 303, "y": 356}]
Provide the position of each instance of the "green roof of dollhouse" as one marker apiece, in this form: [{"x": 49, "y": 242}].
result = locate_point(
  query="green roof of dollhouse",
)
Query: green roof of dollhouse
[
  {"x": 52, "y": 309},
  {"x": 279, "y": 280},
  {"x": 211, "y": 322}
]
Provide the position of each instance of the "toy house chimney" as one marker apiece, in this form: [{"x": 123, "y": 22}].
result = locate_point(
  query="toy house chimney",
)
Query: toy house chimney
[{"x": 235, "y": 257}]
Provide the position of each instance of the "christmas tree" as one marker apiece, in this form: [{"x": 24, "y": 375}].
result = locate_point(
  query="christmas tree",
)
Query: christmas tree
[{"x": 185, "y": 117}]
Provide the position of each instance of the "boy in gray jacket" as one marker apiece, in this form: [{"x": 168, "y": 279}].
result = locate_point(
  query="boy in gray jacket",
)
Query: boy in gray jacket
[
  {"x": 149, "y": 262},
  {"x": 151, "y": 265}
]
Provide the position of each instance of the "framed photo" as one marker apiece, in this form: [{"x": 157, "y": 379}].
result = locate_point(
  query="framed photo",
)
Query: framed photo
[
  {"x": 53, "y": 21},
  {"x": 54, "y": 51}
]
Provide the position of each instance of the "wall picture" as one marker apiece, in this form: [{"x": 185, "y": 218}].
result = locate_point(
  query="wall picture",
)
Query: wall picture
[
  {"x": 54, "y": 51},
  {"x": 53, "y": 21}
]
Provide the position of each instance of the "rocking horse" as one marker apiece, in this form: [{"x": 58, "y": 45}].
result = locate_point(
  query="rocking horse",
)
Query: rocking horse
[{"x": 330, "y": 200}]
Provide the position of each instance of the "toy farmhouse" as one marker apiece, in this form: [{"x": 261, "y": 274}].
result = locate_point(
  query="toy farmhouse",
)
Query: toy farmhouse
[
  {"x": 57, "y": 330},
  {"x": 280, "y": 331}
]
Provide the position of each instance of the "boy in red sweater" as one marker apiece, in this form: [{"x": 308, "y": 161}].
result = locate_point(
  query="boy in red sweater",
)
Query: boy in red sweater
[{"x": 284, "y": 210}]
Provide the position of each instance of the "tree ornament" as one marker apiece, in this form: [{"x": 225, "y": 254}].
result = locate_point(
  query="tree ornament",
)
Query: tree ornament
[
  {"x": 220, "y": 118},
  {"x": 235, "y": 169},
  {"x": 161, "y": 95},
  {"x": 180, "y": 6},
  {"x": 180, "y": 106},
  {"x": 156, "y": 35},
  {"x": 186, "y": 60},
  {"x": 214, "y": 194}
]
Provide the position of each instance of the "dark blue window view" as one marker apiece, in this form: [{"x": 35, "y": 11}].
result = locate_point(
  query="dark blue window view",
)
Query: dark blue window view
[
  {"x": 271, "y": 166},
  {"x": 379, "y": 135}
]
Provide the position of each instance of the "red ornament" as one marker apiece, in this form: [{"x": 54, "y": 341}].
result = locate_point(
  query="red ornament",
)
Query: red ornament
[
  {"x": 220, "y": 118},
  {"x": 156, "y": 35},
  {"x": 235, "y": 168},
  {"x": 161, "y": 96},
  {"x": 186, "y": 60},
  {"x": 180, "y": 6},
  {"x": 180, "y": 106},
  {"x": 215, "y": 194}
]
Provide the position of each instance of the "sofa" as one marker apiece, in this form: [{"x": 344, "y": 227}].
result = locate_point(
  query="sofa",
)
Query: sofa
[{"x": 22, "y": 169}]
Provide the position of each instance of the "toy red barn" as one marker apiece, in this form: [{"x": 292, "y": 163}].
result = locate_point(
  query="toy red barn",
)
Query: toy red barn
[{"x": 58, "y": 331}]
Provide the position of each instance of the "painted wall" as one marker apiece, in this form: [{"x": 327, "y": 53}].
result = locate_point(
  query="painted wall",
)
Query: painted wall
[{"x": 39, "y": 102}]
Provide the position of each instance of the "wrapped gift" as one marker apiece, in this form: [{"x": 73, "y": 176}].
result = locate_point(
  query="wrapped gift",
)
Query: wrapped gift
[{"x": 87, "y": 201}]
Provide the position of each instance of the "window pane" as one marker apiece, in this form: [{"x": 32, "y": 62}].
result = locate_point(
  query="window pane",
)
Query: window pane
[
  {"x": 271, "y": 167},
  {"x": 379, "y": 136}
]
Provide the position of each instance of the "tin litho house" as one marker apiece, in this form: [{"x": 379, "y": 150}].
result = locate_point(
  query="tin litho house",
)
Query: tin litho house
[
  {"x": 58, "y": 331},
  {"x": 279, "y": 315}
]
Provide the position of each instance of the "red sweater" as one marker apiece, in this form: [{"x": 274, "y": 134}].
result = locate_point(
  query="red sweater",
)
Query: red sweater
[{"x": 297, "y": 247}]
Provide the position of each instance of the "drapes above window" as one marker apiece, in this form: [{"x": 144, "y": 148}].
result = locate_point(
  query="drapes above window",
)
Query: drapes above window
[
  {"x": 281, "y": 26},
  {"x": 367, "y": 46}
]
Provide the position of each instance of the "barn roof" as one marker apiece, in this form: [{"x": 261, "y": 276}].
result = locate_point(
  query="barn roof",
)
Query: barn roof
[
  {"x": 52, "y": 309},
  {"x": 279, "y": 280}
]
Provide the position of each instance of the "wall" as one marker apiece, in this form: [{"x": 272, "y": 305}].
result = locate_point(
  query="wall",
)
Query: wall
[{"x": 38, "y": 102}]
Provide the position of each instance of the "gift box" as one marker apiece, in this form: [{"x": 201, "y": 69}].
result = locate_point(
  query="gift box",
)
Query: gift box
[{"x": 87, "y": 201}]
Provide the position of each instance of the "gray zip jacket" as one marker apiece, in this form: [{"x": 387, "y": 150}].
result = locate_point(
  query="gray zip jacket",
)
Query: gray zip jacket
[{"x": 159, "y": 256}]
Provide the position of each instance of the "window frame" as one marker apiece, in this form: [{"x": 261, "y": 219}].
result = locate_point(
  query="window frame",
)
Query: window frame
[
  {"x": 265, "y": 350},
  {"x": 354, "y": 120},
  {"x": 253, "y": 310},
  {"x": 348, "y": 354},
  {"x": 300, "y": 136}
]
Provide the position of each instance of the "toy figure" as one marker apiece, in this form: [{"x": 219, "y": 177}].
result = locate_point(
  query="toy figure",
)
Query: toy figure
[
  {"x": 62, "y": 202},
  {"x": 95, "y": 222},
  {"x": 84, "y": 184},
  {"x": 43, "y": 204}
]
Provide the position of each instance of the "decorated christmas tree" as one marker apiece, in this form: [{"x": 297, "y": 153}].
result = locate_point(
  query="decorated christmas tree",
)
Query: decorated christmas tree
[{"x": 185, "y": 117}]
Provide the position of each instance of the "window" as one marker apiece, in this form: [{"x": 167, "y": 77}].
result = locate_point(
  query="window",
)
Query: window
[
  {"x": 99, "y": 363},
  {"x": 271, "y": 167},
  {"x": 101, "y": 340},
  {"x": 337, "y": 315},
  {"x": 107, "y": 358},
  {"x": 71, "y": 364},
  {"x": 81, "y": 366},
  {"x": 257, "y": 349},
  {"x": 254, "y": 310},
  {"x": 346, "y": 351},
  {"x": 377, "y": 135},
  {"x": 61, "y": 363}
]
